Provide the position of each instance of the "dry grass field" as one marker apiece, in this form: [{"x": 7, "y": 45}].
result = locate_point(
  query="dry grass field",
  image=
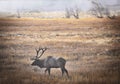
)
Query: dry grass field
[{"x": 90, "y": 46}]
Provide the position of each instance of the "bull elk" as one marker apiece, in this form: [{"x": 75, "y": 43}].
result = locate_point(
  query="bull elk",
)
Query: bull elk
[{"x": 49, "y": 62}]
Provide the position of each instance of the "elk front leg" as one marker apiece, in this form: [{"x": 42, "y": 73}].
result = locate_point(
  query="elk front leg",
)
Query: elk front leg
[
  {"x": 47, "y": 69},
  {"x": 66, "y": 71}
]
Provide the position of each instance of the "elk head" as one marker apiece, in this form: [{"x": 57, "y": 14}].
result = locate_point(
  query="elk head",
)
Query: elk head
[{"x": 36, "y": 61}]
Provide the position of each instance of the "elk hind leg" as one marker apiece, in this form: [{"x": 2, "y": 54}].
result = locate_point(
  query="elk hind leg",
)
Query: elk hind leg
[
  {"x": 62, "y": 71},
  {"x": 66, "y": 71}
]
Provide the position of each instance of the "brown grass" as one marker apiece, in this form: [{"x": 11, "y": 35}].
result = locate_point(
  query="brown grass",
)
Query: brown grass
[{"x": 90, "y": 46}]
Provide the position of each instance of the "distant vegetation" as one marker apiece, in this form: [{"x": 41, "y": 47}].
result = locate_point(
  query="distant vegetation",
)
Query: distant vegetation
[{"x": 98, "y": 10}]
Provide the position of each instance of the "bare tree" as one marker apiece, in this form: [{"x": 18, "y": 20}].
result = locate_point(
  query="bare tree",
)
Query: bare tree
[
  {"x": 72, "y": 12},
  {"x": 49, "y": 62},
  {"x": 75, "y": 12},
  {"x": 18, "y": 14},
  {"x": 108, "y": 14},
  {"x": 100, "y": 10},
  {"x": 68, "y": 13},
  {"x": 97, "y": 9}
]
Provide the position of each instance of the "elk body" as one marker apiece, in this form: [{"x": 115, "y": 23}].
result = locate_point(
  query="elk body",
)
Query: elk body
[{"x": 49, "y": 62}]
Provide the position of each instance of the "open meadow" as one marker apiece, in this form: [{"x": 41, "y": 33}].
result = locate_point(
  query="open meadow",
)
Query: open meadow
[{"x": 91, "y": 47}]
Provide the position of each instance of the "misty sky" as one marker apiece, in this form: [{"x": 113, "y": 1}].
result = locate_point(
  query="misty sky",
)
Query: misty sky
[{"x": 46, "y": 5}]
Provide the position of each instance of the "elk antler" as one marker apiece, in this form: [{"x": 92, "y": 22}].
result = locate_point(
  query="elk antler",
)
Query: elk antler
[{"x": 40, "y": 49}]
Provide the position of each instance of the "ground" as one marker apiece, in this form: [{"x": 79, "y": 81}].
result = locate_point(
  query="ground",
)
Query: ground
[{"x": 91, "y": 47}]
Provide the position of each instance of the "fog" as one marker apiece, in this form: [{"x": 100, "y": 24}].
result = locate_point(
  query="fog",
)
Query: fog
[{"x": 47, "y": 5}]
